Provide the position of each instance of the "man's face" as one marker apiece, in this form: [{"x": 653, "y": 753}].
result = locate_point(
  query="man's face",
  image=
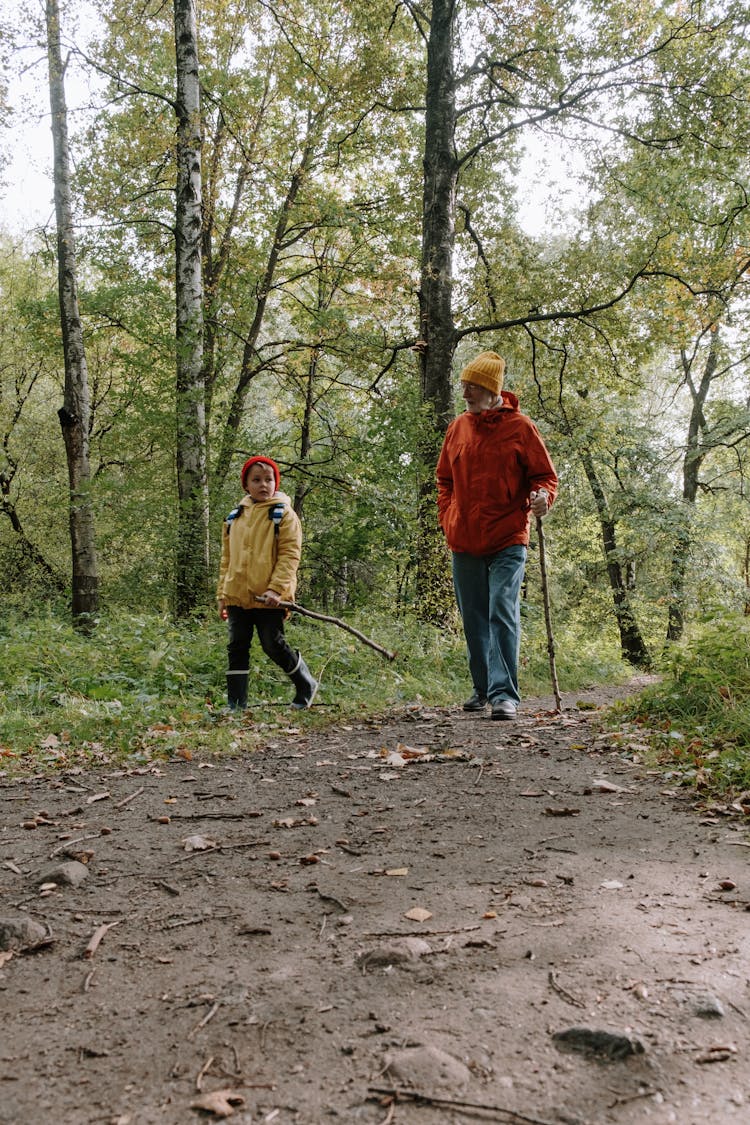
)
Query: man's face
[
  {"x": 477, "y": 398},
  {"x": 260, "y": 482}
]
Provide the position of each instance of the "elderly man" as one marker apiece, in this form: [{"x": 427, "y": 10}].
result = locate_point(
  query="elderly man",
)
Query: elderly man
[{"x": 493, "y": 473}]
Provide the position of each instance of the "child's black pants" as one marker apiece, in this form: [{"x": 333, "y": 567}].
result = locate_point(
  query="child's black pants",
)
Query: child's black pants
[{"x": 269, "y": 624}]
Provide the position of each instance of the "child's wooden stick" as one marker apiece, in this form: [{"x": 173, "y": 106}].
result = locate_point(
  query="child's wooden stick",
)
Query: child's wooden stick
[{"x": 341, "y": 624}]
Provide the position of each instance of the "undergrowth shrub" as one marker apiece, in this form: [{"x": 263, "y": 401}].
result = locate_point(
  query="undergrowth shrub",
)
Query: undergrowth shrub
[
  {"x": 697, "y": 716},
  {"x": 142, "y": 686}
]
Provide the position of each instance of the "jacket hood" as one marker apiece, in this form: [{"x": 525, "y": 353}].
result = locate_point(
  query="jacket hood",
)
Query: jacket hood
[{"x": 278, "y": 497}]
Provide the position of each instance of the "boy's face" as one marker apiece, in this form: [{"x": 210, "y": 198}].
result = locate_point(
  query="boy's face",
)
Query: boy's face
[
  {"x": 260, "y": 482},
  {"x": 477, "y": 398}
]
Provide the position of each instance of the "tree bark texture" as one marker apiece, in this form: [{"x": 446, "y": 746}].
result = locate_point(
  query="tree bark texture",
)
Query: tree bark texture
[
  {"x": 306, "y": 436},
  {"x": 192, "y": 535},
  {"x": 694, "y": 456},
  {"x": 74, "y": 414},
  {"x": 632, "y": 645},
  {"x": 436, "y": 328},
  {"x": 437, "y": 338},
  {"x": 250, "y": 363}
]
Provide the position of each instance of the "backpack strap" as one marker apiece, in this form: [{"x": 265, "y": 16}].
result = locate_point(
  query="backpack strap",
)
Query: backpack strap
[
  {"x": 276, "y": 514},
  {"x": 235, "y": 512}
]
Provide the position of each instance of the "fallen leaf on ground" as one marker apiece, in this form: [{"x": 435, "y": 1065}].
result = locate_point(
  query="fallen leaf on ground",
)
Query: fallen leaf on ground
[
  {"x": 418, "y": 914},
  {"x": 408, "y": 752},
  {"x": 398, "y": 871},
  {"x": 390, "y": 757},
  {"x": 407, "y": 755},
  {"x": 219, "y": 1102},
  {"x": 198, "y": 844}
]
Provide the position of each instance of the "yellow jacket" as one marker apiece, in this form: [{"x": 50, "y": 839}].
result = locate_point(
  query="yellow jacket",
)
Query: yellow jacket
[{"x": 255, "y": 557}]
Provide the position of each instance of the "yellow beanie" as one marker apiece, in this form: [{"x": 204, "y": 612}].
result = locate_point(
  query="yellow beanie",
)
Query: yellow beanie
[{"x": 486, "y": 371}]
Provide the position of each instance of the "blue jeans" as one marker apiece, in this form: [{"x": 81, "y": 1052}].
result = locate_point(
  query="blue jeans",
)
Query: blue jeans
[{"x": 488, "y": 592}]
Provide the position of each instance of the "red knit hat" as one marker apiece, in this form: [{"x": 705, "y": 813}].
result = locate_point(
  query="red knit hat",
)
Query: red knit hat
[{"x": 262, "y": 461}]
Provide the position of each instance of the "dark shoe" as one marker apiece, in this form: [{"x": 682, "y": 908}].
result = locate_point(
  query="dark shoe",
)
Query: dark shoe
[
  {"x": 504, "y": 709},
  {"x": 476, "y": 703},
  {"x": 237, "y": 690},
  {"x": 305, "y": 684}
]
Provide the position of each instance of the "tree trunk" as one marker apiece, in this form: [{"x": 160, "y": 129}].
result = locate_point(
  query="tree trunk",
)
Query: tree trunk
[
  {"x": 74, "y": 414},
  {"x": 250, "y": 365},
  {"x": 192, "y": 532},
  {"x": 693, "y": 458},
  {"x": 632, "y": 645},
  {"x": 305, "y": 441},
  {"x": 437, "y": 338}
]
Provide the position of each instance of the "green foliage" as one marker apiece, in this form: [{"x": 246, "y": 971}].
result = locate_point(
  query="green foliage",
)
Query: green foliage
[
  {"x": 330, "y": 99},
  {"x": 142, "y": 687},
  {"x": 696, "y": 718}
]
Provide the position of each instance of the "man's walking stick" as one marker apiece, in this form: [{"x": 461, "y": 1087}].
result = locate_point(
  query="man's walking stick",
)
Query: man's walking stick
[{"x": 547, "y": 614}]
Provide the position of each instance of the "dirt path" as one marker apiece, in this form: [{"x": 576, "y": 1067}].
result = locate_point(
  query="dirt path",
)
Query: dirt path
[{"x": 357, "y": 925}]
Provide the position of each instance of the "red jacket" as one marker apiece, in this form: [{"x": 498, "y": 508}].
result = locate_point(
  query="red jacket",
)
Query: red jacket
[{"x": 488, "y": 465}]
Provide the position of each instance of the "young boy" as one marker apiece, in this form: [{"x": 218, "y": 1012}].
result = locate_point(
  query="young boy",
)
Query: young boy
[{"x": 260, "y": 554}]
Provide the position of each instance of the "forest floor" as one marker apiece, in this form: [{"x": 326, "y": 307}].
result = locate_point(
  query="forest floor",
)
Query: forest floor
[{"x": 428, "y": 918}]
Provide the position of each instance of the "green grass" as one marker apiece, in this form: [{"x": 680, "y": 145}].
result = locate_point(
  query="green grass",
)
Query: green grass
[
  {"x": 696, "y": 719},
  {"x": 140, "y": 688}
]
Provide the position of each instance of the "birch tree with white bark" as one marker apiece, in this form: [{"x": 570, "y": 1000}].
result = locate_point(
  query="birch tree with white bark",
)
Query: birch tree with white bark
[{"x": 74, "y": 414}]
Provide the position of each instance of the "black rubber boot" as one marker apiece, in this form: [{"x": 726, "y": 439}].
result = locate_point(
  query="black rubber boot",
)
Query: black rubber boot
[
  {"x": 237, "y": 690},
  {"x": 303, "y": 681}
]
